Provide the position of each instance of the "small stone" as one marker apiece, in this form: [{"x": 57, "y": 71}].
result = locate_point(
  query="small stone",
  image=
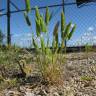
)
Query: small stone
[
  {"x": 28, "y": 90},
  {"x": 70, "y": 94},
  {"x": 55, "y": 94},
  {"x": 29, "y": 94},
  {"x": 42, "y": 93},
  {"x": 8, "y": 93}
]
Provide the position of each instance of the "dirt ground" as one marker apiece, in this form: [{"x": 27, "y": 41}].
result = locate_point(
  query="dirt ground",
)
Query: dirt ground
[{"x": 79, "y": 79}]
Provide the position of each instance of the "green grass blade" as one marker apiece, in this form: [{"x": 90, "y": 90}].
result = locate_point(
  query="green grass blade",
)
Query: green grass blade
[
  {"x": 55, "y": 33},
  {"x": 37, "y": 14},
  {"x": 42, "y": 45},
  {"x": 38, "y": 29},
  {"x": 72, "y": 31},
  {"x": 67, "y": 31},
  {"x": 28, "y": 7},
  {"x": 34, "y": 44},
  {"x": 47, "y": 16},
  {"x": 43, "y": 25},
  {"x": 62, "y": 24}
]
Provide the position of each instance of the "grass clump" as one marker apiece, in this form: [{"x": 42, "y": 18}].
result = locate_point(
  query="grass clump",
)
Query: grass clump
[
  {"x": 50, "y": 69},
  {"x": 47, "y": 60},
  {"x": 86, "y": 78},
  {"x": 8, "y": 83}
]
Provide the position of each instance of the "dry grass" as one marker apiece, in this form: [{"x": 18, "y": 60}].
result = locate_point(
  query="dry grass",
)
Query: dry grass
[{"x": 51, "y": 70}]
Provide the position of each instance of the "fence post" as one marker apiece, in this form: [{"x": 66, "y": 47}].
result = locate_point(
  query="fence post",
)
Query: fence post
[{"x": 8, "y": 23}]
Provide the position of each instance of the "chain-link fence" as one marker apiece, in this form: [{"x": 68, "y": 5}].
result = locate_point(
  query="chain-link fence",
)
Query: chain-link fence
[{"x": 84, "y": 17}]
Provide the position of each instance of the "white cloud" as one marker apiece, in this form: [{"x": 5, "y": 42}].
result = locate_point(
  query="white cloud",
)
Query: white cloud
[
  {"x": 90, "y": 28},
  {"x": 94, "y": 37}
]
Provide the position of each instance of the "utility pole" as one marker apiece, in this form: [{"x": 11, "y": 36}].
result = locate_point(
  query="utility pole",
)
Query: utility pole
[{"x": 8, "y": 23}]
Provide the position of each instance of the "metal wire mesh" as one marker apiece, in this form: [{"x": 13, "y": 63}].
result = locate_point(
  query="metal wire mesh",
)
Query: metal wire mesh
[{"x": 84, "y": 17}]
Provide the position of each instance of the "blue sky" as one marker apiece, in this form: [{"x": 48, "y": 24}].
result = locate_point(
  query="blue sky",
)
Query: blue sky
[{"x": 84, "y": 18}]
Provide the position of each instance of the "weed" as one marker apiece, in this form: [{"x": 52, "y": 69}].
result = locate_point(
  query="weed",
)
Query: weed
[
  {"x": 47, "y": 59},
  {"x": 88, "y": 48},
  {"x": 8, "y": 83},
  {"x": 86, "y": 78}
]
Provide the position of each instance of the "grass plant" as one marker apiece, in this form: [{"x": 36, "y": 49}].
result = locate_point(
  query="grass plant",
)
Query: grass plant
[{"x": 49, "y": 61}]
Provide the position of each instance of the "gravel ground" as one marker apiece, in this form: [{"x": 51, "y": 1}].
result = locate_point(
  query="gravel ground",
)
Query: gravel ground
[{"x": 79, "y": 79}]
